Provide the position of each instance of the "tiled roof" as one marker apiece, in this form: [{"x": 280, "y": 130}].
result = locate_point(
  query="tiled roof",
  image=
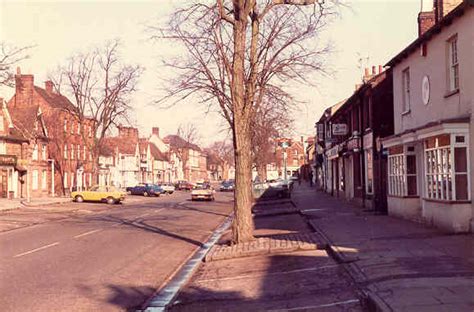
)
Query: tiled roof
[
  {"x": 126, "y": 147},
  {"x": 24, "y": 120},
  {"x": 157, "y": 154},
  {"x": 177, "y": 142},
  {"x": 56, "y": 100}
]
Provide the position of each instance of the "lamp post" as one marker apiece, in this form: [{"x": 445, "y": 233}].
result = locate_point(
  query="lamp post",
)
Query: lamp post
[{"x": 284, "y": 145}]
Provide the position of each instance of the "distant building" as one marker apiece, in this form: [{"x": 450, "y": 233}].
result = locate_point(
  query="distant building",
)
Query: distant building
[{"x": 69, "y": 139}]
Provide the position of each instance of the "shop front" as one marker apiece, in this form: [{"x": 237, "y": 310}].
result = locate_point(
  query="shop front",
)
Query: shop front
[{"x": 8, "y": 176}]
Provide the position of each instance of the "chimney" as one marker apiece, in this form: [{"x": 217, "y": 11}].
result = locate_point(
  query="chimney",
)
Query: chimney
[
  {"x": 128, "y": 133},
  {"x": 380, "y": 69},
  {"x": 374, "y": 72},
  {"x": 155, "y": 131},
  {"x": 443, "y": 7},
  {"x": 426, "y": 20},
  {"x": 24, "y": 85},
  {"x": 48, "y": 86},
  {"x": 366, "y": 72}
]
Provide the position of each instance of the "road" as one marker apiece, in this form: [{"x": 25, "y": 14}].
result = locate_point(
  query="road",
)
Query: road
[{"x": 108, "y": 259}]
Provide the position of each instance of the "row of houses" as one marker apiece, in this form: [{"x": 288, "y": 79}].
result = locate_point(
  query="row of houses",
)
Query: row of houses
[
  {"x": 45, "y": 149},
  {"x": 402, "y": 142}
]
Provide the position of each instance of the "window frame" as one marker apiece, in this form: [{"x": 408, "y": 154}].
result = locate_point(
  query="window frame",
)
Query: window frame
[
  {"x": 406, "y": 90},
  {"x": 44, "y": 180},
  {"x": 452, "y": 64},
  {"x": 34, "y": 180},
  {"x": 35, "y": 153},
  {"x": 366, "y": 160},
  {"x": 434, "y": 176},
  {"x": 397, "y": 168}
]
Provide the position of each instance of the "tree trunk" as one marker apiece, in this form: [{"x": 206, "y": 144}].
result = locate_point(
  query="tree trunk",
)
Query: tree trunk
[
  {"x": 262, "y": 171},
  {"x": 242, "y": 227}
]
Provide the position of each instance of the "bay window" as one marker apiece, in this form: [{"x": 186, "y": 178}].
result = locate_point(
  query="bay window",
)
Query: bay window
[
  {"x": 446, "y": 167},
  {"x": 402, "y": 171}
]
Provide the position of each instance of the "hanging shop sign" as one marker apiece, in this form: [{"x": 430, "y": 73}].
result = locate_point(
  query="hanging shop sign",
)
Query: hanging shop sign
[
  {"x": 339, "y": 129},
  {"x": 353, "y": 144},
  {"x": 369, "y": 140}
]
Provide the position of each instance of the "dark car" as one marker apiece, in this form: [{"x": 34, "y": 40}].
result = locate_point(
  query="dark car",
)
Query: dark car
[
  {"x": 270, "y": 189},
  {"x": 183, "y": 185},
  {"x": 227, "y": 186},
  {"x": 145, "y": 189}
]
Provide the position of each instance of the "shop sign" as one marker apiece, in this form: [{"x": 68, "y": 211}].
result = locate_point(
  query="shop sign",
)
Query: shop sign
[
  {"x": 8, "y": 160},
  {"x": 353, "y": 144},
  {"x": 339, "y": 129},
  {"x": 333, "y": 152},
  {"x": 368, "y": 140}
]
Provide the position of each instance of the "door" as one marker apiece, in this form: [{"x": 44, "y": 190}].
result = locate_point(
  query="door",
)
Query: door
[{"x": 382, "y": 204}]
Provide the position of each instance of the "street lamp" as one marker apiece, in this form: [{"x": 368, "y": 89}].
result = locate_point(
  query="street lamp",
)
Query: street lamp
[{"x": 284, "y": 145}]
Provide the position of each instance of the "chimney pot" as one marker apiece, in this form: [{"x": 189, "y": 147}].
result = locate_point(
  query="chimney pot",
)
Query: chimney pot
[
  {"x": 155, "y": 131},
  {"x": 18, "y": 70},
  {"x": 380, "y": 69},
  {"x": 373, "y": 70}
]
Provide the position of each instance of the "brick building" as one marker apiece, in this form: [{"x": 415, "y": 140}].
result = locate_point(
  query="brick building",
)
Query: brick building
[
  {"x": 69, "y": 140},
  {"x": 24, "y": 169},
  {"x": 295, "y": 156}
]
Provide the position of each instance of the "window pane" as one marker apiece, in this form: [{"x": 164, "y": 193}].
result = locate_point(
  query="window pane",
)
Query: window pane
[
  {"x": 461, "y": 187},
  {"x": 411, "y": 164},
  {"x": 411, "y": 180},
  {"x": 460, "y": 159}
]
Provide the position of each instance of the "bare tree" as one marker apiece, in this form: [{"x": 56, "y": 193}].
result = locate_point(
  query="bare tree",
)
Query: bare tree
[
  {"x": 100, "y": 86},
  {"x": 9, "y": 57},
  {"x": 224, "y": 154},
  {"x": 240, "y": 53}
]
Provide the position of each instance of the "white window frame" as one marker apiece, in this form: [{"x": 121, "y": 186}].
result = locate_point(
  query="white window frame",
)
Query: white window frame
[
  {"x": 453, "y": 64},
  {"x": 84, "y": 155},
  {"x": 34, "y": 156},
  {"x": 78, "y": 128},
  {"x": 3, "y": 147},
  {"x": 78, "y": 152},
  {"x": 72, "y": 152},
  {"x": 34, "y": 180},
  {"x": 44, "y": 180},
  {"x": 398, "y": 173},
  {"x": 65, "y": 125},
  {"x": 406, "y": 98},
  {"x": 65, "y": 180},
  {"x": 43, "y": 152},
  {"x": 440, "y": 177},
  {"x": 65, "y": 152}
]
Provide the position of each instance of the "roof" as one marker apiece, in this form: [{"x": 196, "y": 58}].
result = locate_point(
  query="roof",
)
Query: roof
[
  {"x": 56, "y": 100},
  {"x": 156, "y": 153},
  {"x": 110, "y": 144},
  {"x": 27, "y": 123},
  {"x": 436, "y": 29},
  {"x": 178, "y": 142}
]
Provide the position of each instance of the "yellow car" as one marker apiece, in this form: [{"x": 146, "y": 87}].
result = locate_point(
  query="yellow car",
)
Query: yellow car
[{"x": 108, "y": 194}]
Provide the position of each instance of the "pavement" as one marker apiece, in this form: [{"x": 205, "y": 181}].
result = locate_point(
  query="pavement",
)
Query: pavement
[
  {"x": 370, "y": 262},
  {"x": 9, "y": 204},
  {"x": 99, "y": 257}
]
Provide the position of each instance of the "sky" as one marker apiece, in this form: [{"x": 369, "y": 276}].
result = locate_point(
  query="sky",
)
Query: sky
[{"x": 367, "y": 33}]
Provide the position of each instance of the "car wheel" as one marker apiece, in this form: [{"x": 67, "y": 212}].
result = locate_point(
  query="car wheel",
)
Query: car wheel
[
  {"x": 145, "y": 194},
  {"x": 110, "y": 200},
  {"x": 79, "y": 199}
]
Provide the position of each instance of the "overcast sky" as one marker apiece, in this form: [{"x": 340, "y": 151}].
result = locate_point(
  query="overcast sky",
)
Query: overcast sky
[{"x": 377, "y": 29}]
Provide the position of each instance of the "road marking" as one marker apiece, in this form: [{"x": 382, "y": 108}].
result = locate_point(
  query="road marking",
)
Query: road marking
[
  {"x": 36, "y": 249},
  {"x": 318, "y": 306},
  {"x": 87, "y": 233},
  {"x": 313, "y": 209}
]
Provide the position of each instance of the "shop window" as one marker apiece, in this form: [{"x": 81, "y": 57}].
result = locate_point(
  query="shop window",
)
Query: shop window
[
  {"x": 369, "y": 169},
  {"x": 34, "y": 180},
  {"x": 402, "y": 171},
  {"x": 446, "y": 169}
]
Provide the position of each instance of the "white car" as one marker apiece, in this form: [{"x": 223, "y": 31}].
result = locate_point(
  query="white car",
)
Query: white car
[
  {"x": 202, "y": 191},
  {"x": 168, "y": 188}
]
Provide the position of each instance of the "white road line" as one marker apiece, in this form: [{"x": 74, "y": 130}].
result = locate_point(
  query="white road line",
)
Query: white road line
[
  {"x": 320, "y": 209},
  {"x": 266, "y": 274},
  {"x": 318, "y": 306},
  {"x": 87, "y": 233},
  {"x": 36, "y": 249}
]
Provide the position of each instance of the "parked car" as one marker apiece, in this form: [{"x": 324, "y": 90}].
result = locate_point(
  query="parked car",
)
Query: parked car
[
  {"x": 167, "y": 188},
  {"x": 108, "y": 194},
  {"x": 145, "y": 189},
  {"x": 202, "y": 191},
  {"x": 184, "y": 185},
  {"x": 227, "y": 186},
  {"x": 278, "y": 188}
]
